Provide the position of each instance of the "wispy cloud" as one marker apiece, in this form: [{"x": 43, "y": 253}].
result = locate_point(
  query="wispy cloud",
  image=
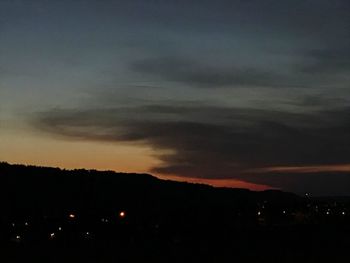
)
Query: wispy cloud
[
  {"x": 332, "y": 62},
  {"x": 200, "y": 75},
  {"x": 341, "y": 168}
]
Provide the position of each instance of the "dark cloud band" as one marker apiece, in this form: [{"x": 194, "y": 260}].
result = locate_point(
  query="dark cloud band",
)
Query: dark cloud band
[{"x": 216, "y": 142}]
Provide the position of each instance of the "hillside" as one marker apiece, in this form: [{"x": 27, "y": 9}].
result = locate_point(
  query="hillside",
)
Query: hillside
[{"x": 53, "y": 190}]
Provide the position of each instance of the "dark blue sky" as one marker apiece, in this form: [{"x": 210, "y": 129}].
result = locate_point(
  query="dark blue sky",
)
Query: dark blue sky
[{"x": 249, "y": 91}]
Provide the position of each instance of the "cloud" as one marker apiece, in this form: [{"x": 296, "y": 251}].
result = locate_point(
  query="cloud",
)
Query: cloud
[
  {"x": 317, "y": 68},
  {"x": 202, "y": 75},
  {"x": 217, "y": 142},
  {"x": 328, "y": 61},
  {"x": 306, "y": 169}
]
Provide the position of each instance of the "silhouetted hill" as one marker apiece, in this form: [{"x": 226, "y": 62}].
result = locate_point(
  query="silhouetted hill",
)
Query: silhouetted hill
[{"x": 31, "y": 189}]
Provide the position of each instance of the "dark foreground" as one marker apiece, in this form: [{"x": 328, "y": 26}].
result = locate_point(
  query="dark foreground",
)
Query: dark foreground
[
  {"x": 53, "y": 215},
  {"x": 261, "y": 244}
]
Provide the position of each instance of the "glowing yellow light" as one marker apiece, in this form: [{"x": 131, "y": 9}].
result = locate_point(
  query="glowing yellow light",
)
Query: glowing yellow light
[
  {"x": 259, "y": 213},
  {"x": 72, "y": 216},
  {"x": 122, "y": 214}
]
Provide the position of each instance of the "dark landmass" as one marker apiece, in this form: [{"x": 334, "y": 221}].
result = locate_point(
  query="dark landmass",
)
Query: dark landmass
[{"x": 55, "y": 215}]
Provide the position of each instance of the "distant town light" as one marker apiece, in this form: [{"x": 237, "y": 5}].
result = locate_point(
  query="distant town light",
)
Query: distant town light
[
  {"x": 18, "y": 237},
  {"x": 122, "y": 214},
  {"x": 284, "y": 212},
  {"x": 72, "y": 216},
  {"x": 59, "y": 228},
  {"x": 327, "y": 212},
  {"x": 104, "y": 220},
  {"x": 52, "y": 235},
  {"x": 343, "y": 213},
  {"x": 259, "y": 213},
  {"x": 13, "y": 224},
  {"x": 26, "y": 224}
]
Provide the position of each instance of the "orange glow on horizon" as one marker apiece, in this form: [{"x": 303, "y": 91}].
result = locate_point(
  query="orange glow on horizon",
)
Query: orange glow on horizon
[
  {"x": 31, "y": 149},
  {"x": 21, "y": 147},
  {"x": 230, "y": 183}
]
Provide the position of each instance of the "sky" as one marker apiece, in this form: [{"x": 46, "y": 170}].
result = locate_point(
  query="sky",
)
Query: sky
[{"x": 239, "y": 93}]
